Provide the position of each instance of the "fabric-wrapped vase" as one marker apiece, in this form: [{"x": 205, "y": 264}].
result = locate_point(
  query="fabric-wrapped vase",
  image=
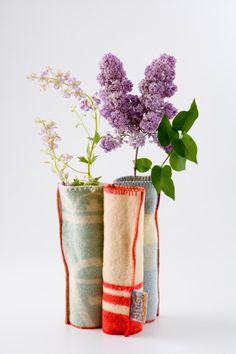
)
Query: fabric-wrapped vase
[
  {"x": 151, "y": 242},
  {"x": 80, "y": 211},
  {"x": 124, "y": 303}
]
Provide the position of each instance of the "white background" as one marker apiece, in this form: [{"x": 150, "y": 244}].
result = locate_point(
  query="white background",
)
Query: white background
[{"x": 198, "y": 292}]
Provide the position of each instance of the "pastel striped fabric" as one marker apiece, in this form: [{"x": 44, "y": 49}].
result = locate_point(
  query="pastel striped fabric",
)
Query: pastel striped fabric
[
  {"x": 151, "y": 242},
  {"x": 80, "y": 211},
  {"x": 123, "y": 257}
]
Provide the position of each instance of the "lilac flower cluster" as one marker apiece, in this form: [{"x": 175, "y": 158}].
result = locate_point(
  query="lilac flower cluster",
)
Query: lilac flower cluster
[
  {"x": 135, "y": 118},
  {"x": 109, "y": 143}
]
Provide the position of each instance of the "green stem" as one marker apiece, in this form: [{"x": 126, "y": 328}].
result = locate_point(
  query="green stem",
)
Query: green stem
[
  {"x": 93, "y": 143},
  {"x": 167, "y": 158},
  {"x": 135, "y": 161},
  {"x": 81, "y": 121},
  {"x": 74, "y": 169}
]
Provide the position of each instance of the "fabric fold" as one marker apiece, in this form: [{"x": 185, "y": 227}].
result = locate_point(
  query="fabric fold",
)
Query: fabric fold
[
  {"x": 124, "y": 303},
  {"x": 80, "y": 211}
]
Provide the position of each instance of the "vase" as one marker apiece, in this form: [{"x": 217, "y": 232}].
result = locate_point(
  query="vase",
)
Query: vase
[
  {"x": 151, "y": 242},
  {"x": 80, "y": 211},
  {"x": 124, "y": 303}
]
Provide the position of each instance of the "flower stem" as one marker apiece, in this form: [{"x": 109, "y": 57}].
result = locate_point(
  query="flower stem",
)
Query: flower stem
[
  {"x": 93, "y": 143},
  {"x": 167, "y": 158},
  {"x": 135, "y": 161},
  {"x": 82, "y": 123}
]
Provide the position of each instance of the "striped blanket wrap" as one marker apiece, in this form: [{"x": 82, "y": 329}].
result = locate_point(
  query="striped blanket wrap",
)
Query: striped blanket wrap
[
  {"x": 151, "y": 242},
  {"x": 124, "y": 303}
]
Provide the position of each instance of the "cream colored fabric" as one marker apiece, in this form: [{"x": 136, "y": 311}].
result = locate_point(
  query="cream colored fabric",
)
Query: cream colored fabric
[{"x": 120, "y": 215}]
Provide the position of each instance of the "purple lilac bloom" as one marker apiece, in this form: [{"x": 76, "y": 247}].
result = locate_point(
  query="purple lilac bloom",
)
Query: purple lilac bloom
[
  {"x": 115, "y": 87},
  {"x": 109, "y": 142},
  {"x": 135, "y": 117},
  {"x": 137, "y": 139},
  {"x": 167, "y": 148},
  {"x": 169, "y": 110},
  {"x": 150, "y": 122},
  {"x": 160, "y": 74}
]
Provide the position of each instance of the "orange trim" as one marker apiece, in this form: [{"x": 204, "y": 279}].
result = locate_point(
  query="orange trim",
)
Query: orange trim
[
  {"x": 67, "y": 310},
  {"x": 158, "y": 255},
  {"x": 122, "y": 189},
  {"x": 134, "y": 255},
  {"x": 122, "y": 287}
]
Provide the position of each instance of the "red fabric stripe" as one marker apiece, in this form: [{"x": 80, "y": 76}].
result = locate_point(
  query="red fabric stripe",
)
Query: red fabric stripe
[
  {"x": 116, "y": 300},
  {"x": 113, "y": 323},
  {"x": 122, "y": 287}
]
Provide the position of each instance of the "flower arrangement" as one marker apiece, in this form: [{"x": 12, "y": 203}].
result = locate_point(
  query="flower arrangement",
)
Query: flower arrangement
[
  {"x": 136, "y": 119},
  {"x": 70, "y": 87},
  {"x": 89, "y": 217}
]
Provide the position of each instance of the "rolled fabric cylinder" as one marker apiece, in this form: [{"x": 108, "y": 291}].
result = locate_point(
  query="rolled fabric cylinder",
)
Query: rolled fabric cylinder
[
  {"x": 80, "y": 211},
  {"x": 151, "y": 242},
  {"x": 124, "y": 303}
]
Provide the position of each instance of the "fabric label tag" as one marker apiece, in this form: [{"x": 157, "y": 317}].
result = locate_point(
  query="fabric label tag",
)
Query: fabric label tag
[{"x": 138, "y": 308}]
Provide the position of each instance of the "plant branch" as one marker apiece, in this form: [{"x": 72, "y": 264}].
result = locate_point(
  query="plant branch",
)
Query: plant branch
[
  {"x": 167, "y": 158},
  {"x": 135, "y": 161}
]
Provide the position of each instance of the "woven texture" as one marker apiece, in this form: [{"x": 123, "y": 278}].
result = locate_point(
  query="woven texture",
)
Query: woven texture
[
  {"x": 123, "y": 257},
  {"x": 151, "y": 242},
  {"x": 80, "y": 212}
]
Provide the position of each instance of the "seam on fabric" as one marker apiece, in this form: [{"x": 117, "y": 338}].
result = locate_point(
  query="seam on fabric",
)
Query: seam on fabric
[
  {"x": 67, "y": 310},
  {"x": 158, "y": 255},
  {"x": 134, "y": 255}
]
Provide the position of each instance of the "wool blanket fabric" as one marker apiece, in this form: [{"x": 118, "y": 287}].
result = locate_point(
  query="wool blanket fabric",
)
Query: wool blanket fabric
[
  {"x": 151, "y": 242},
  {"x": 124, "y": 303},
  {"x": 80, "y": 211}
]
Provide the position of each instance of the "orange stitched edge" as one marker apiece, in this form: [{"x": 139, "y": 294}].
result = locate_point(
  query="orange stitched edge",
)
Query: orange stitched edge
[
  {"x": 67, "y": 314},
  {"x": 121, "y": 189},
  {"x": 158, "y": 255},
  {"x": 141, "y": 189}
]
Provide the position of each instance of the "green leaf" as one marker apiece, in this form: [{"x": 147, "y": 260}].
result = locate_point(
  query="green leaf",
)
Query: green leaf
[
  {"x": 95, "y": 181},
  {"x": 179, "y": 147},
  {"x": 82, "y": 159},
  {"x": 190, "y": 147},
  {"x": 160, "y": 175},
  {"x": 169, "y": 188},
  {"x": 163, "y": 131},
  {"x": 77, "y": 182},
  {"x": 166, "y": 133},
  {"x": 177, "y": 162},
  {"x": 156, "y": 178},
  {"x": 166, "y": 171},
  {"x": 185, "y": 119},
  {"x": 143, "y": 164},
  {"x": 96, "y": 138}
]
